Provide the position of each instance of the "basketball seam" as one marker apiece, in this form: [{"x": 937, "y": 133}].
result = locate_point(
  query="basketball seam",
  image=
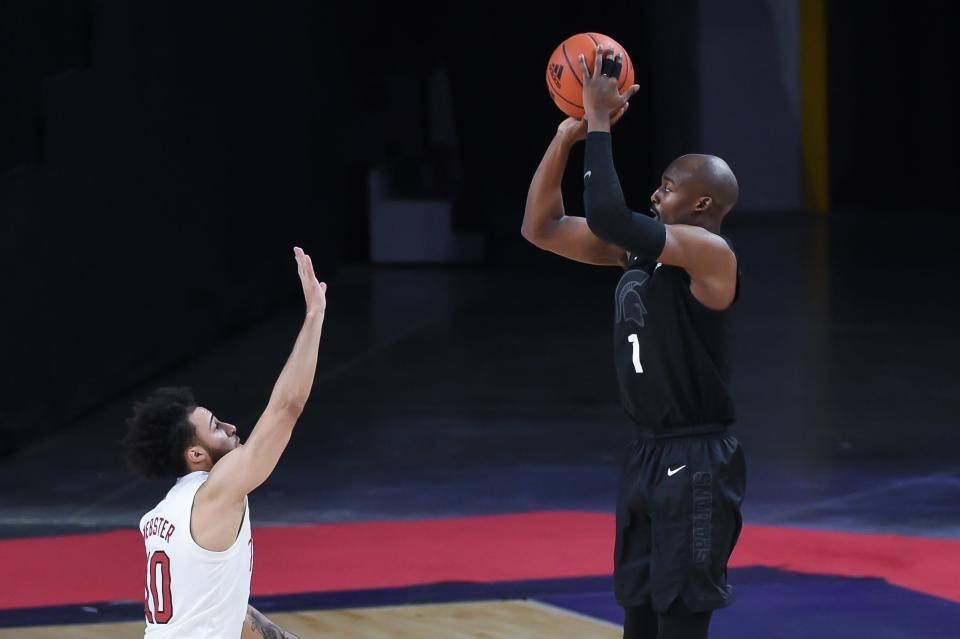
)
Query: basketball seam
[
  {"x": 570, "y": 64},
  {"x": 596, "y": 42},
  {"x": 579, "y": 106}
]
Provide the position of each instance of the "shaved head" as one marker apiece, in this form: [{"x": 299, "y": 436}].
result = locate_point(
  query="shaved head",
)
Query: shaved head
[{"x": 711, "y": 175}]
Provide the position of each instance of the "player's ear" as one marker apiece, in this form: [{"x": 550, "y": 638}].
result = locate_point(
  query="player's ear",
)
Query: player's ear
[
  {"x": 703, "y": 204},
  {"x": 195, "y": 455}
]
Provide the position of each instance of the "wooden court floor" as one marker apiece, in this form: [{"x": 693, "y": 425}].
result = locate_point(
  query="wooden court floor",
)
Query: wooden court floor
[{"x": 473, "y": 620}]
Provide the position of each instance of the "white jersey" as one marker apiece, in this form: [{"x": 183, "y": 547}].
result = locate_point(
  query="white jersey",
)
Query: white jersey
[{"x": 191, "y": 592}]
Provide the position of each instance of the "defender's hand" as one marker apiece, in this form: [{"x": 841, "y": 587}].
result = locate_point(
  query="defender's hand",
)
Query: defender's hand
[{"x": 314, "y": 292}]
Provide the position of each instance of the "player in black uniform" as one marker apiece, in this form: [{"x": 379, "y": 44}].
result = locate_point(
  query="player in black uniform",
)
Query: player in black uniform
[{"x": 678, "y": 507}]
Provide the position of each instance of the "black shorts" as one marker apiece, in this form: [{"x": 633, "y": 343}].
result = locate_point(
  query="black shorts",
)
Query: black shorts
[{"x": 678, "y": 519}]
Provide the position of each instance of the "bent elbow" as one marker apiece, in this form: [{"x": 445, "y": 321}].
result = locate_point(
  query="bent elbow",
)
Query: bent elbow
[
  {"x": 601, "y": 224},
  {"x": 530, "y": 234}
]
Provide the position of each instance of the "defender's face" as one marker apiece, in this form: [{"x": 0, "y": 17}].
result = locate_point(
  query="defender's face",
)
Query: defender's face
[{"x": 217, "y": 437}]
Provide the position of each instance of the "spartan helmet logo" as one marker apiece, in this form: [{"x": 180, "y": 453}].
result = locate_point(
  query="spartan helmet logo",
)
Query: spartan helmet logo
[{"x": 629, "y": 305}]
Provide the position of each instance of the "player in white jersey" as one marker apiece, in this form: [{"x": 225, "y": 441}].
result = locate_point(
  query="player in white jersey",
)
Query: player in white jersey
[{"x": 199, "y": 551}]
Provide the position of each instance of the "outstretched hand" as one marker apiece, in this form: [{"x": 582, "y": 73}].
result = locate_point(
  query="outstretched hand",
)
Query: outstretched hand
[
  {"x": 314, "y": 292},
  {"x": 601, "y": 98}
]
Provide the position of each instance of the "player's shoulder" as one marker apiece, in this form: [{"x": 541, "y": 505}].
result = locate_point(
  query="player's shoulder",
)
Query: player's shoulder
[
  {"x": 709, "y": 238},
  {"x": 150, "y": 514},
  {"x": 714, "y": 249},
  {"x": 726, "y": 240},
  {"x": 700, "y": 233}
]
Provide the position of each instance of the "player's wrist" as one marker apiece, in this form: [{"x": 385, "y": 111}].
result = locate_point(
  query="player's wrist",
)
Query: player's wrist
[
  {"x": 566, "y": 140},
  {"x": 598, "y": 122}
]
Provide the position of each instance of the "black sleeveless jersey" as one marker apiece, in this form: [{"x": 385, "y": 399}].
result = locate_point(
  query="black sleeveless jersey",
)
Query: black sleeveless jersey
[{"x": 671, "y": 353}]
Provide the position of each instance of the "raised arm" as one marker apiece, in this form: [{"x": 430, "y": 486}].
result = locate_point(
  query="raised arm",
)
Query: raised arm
[
  {"x": 704, "y": 255},
  {"x": 545, "y": 224},
  {"x": 241, "y": 470}
]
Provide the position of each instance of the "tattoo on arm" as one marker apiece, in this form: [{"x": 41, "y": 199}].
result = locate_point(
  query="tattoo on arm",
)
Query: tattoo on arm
[{"x": 266, "y": 628}]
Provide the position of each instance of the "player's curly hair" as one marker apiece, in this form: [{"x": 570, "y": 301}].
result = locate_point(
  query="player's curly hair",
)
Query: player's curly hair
[{"x": 158, "y": 432}]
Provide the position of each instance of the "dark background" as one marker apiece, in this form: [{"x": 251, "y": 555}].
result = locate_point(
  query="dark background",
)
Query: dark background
[{"x": 159, "y": 160}]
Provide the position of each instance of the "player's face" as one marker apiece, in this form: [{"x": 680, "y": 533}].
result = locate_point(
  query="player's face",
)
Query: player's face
[
  {"x": 217, "y": 437},
  {"x": 673, "y": 201}
]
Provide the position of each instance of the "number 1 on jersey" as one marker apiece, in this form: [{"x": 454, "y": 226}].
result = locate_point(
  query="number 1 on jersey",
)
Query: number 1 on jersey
[{"x": 636, "y": 352}]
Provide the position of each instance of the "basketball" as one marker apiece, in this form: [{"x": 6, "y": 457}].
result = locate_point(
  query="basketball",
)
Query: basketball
[{"x": 563, "y": 69}]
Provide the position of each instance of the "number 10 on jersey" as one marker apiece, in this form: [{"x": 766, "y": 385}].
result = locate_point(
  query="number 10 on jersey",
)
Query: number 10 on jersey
[
  {"x": 636, "y": 352},
  {"x": 157, "y": 589}
]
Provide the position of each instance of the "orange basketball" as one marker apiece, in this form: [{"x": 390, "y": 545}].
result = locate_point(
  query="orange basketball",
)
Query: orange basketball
[{"x": 563, "y": 69}]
